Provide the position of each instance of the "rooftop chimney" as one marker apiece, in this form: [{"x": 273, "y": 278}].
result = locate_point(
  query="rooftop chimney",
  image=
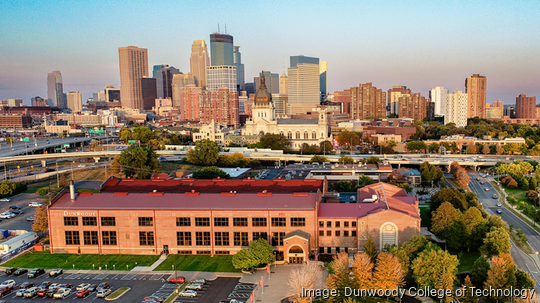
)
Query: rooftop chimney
[{"x": 72, "y": 190}]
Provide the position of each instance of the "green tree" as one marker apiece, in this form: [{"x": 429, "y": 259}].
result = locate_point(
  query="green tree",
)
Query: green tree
[
  {"x": 479, "y": 272},
  {"x": 244, "y": 259},
  {"x": 260, "y": 253},
  {"x": 138, "y": 162},
  {"x": 370, "y": 249},
  {"x": 275, "y": 142},
  {"x": 206, "y": 152},
  {"x": 454, "y": 196},
  {"x": 472, "y": 219},
  {"x": 7, "y": 188},
  {"x": 310, "y": 149},
  {"x": 524, "y": 280},
  {"x": 210, "y": 172},
  {"x": 344, "y": 186},
  {"x": 496, "y": 241},
  {"x": 42, "y": 192},
  {"x": 348, "y": 138},
  {"x": 365, "y": 180},
  {"x": 346, "y": 160},
  {"x": 392, "y": 144},
  {"x": 326, "y": 146},
  {"x": 447, "y": 223},
  {"x": 318, "y": 159},
  {"x": 373, "y": 160},
  {"x": 435, "y": 268},
  {"x": 434, "y": 147}
]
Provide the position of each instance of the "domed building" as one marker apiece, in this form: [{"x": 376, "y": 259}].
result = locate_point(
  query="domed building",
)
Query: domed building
[{"x": 299, "y": 131}]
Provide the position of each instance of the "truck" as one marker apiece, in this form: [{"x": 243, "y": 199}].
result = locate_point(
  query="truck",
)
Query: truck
[{"x": 17, "y": 244}]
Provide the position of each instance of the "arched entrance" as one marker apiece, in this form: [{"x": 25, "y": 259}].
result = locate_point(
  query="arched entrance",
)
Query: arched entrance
[{"x": 296, "y": 255}]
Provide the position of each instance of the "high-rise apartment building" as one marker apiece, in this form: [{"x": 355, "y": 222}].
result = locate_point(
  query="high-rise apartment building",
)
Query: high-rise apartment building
[
  {"x": 456, "y": 109},
  {"x": 367, "y": 101},
  {"x": 476, "y": 88},
  {"x": 133, "y": 67},
  {"x": 344, "y": 97},
  {"x": 220, "y": 106},
  {"x": 283, "y": 84},
  {"x": 221, "y": 49},
  {"x": 221, "y": 76},
  {"x": 148, "y": 92},
  {"x": 437, "y": 95},
  {"x": 525, "y": 107},
  {"x": 180, "y": 81},
  {"x": 38, "y": 101},
  {"x": 414, "y": 106},
  {"x": 74, "y": 101},
  {"x": 240, "y": 76},
  {"x": 189, "y": 102},
  {"x": 199, "y": 62},
  {"x": 393, "y": 98},
  {"x": 164, "y": 79},
  {"x": 272, "y": 81},
  {"x": 304, "y": 84},
  {"x": 55, "y": 90}
]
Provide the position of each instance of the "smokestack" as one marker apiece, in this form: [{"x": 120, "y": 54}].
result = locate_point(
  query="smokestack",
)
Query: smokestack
[{"x": 72, "y": 190}]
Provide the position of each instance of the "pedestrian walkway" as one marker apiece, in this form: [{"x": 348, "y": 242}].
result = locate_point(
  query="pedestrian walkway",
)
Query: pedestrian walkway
[{"x": 162, "y": 258}]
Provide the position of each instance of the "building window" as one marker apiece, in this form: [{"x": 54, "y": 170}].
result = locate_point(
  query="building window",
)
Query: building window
[
  {"x": 183, "y": 238},
  {"x": 240, "y": 222},
  {"x": 277, "y": 239},
  {"x": 353, "y": 233},
  {"x": 353, "y": 223},
  {"x": 321, "y": 223},
  {"x": 346, "y": 224},
  {"x": 89, "y": 221},
  {"x": 258, "y": 221},
  {"x": 221, "y": 238},
  {"x": 202, "y": 221},
  {"x": 183, "y": 221},
  {"x": 108, "y": 237},
  {"x": 328, "y": 223},
  {"x": 71, "y": 221},
  {"x": 222, "y": 252},
  {"x": 337, "y": 250},
  {"x": 329, "y": 233},
  {"x": 297, "y": 135},
  {"x": 203, "y": 252},
  {"x": 202, "y": 238},
  {"x": 289, "y": 135},
  {"x": 72, "y": 237},
  {"x": 338, "y": 223},
  {"x": 260, "y": 235},
  {"x": 329, "y": 250},
  {"x": 108, "y": 221},
  {"x": 345, "y": 233},
  {"x": 306, "y": 136},
  {"x": 321, "y": 250},
  {"x": 221, "y": 221},
  {"x": 185, "y": 252},
  {"x": 146, "y": 221},
  {"x": 298, "y": 221},
  {"x": 241, "y": 239},
  {"x": 279, "y": 222},
  {"x": 321, "y": 233},
  {"x": 389, "y": 234},
  {"x": 313, "y": 135},
  {"x": 338, "y": 233},
  {"x": 146, "y": 238},
  {"x": 90, "y": 237}
]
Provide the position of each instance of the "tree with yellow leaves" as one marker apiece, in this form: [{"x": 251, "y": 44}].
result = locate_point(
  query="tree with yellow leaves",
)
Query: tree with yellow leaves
[
  {"x": 363, "y": 271},
  {"x": 388, "y": 272},
  {"x": 341, "y": 277}
]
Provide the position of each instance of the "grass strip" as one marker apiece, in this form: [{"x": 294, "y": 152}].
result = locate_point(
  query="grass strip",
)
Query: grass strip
[{"x": 117, "y": 293}]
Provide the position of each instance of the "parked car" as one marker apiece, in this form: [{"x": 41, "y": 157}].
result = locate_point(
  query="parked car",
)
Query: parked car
[
  {"x": 15, "y": 207},
  {"x": 26, "y": 285},
  {"x": 82, "y": 286},
  {"x": 35, "y": 204},
  {"x": 36, "y": 272},
  {"x": 153, "y": 298},
  {"x": 31, "y": 292},
  {"x": 4, "y": 290},
  {"x": 188, "y": 293},
  {"x": 55, "y": 272},
  {"x": 103, "y": 293},
  {"x": 31, "y": 218},
  {"x": 82, "y": 293},
  {"x": 42, "y": 292},
  {"x": 20, "y": 271},
  {"x": 45, "y": 284},
  {"x": 5, "y": 200},
  {"x": 199, "y": 281},
  {"x": 62, "y": 293},
  {"x": 177, "y": 280},
  {"x": 194, "y": 286},
  {"x": 17, "y": 211},
  {"x": 50, "y": 293},
  {"x": 5, "y": 216},
  {"x": 92, "y": 287},
  {"x": 65, "y": 285},
  {"x": 20, "y": 292},
  {"x": 103, "y": 285},
  {"x": 10, "y": 283},
  {"x": 10, "y": 270}
]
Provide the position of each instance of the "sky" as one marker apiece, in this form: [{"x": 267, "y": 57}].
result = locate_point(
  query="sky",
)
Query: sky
[{"x": 419, "y": 44}]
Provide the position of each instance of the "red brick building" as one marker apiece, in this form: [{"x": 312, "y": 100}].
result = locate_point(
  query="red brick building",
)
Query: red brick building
[
  {"x": 526, "y": 107},
  {"x": 222, "y": 216},
  {"x": 220, "y": 106}
]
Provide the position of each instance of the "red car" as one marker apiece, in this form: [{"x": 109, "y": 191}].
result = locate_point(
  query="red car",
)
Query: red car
[
  {"x": 5, "y": 289},
  {"x": 482, "y": 183},
  {"x": 42, "y": 292},
  {"x": 82, "y": 293},
  {"x": 177, "y": 280}
]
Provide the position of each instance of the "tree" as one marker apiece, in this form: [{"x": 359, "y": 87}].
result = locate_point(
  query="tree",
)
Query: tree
[
  {"x": 42, "y": 192},
  {"x": 348, "y": 138},
  {"x": 462, "y": 178},
  {"x": 496, "y": 241},
  {"x": 392, "y": 144},
  {"x": 500, "y": 275},
  {"x": 447, "y": 223},
  {"x": 499, "y": 149},
  {"x": 365, "y": 180},
  {"x": 486, "y": 150},
  {"x": 346, "y": 160},
  {"x": 210, "y": 172},
  {"x": 471, "y": 148},
  {"x": 434, "y": 147},
  {"x": 468, "y": 296},
  {"x": 388, "y": 272},
  {"x": 10, "y": 140},
  {"x": 472, "y": 219},
  {"x": 436, "y": 269},
  {"x": 326, "y": 146},
  {"x": 206, "y": 152},
  {"x": 275, "y": 141},
  {"x": 138, "y": 162},
  {"x": 344, "y": 186},
  {"x": 318, "y": 159},
  {"x": 454, "y": 196},
  {"x": 7, "y": 188},
  {"x": 310, "y": 149},
  {"x": 524, "y": 280},
  {"x": 302, "y": 278},
  {"x": 363, "y": 271},
  {"x": 244, "y": 259},
  {"x": 373, "y": 160},
  {"x": 370, "y": 249},
  {"x": 259, "y": 253},
  {"x": 340, "y": 278},
  {"x": 41, "y": 222},
  {"x": 479, "y": 272}
]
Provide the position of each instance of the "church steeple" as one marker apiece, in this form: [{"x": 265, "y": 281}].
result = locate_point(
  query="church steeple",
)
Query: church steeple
[{"x": 262, "y": 97}]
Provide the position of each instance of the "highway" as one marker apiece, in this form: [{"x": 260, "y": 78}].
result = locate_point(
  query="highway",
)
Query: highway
[
  {"x": 521, "y": 259},
  {"x": 36, "y": 144}
]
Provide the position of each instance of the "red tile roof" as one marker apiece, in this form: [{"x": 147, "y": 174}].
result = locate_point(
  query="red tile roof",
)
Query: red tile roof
[
  {"x": 212, "y": 186},
  {"x": 188, "y": 201}
]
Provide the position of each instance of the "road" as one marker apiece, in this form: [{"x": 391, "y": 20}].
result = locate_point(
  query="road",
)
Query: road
[
  {"x": 19, "y": 222},
  {"x": 40, "y": 174},
  {"x": 19, "y": 148},
  {"x": 521, "y": 259}
]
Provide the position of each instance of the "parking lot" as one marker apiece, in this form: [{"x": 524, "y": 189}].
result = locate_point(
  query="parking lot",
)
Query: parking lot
[
  {"x": 19, "y": 222},
  {"x": 213, "y": 291}
]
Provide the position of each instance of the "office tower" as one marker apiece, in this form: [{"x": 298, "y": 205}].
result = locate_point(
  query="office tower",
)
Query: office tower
[
  {"x": 430, "y": 110},
  {"x": 413, "y": 106},
  {"x": 221, "y": 76},
  {"x": 475, "y": 88},
  {"x": 220, "y": 106},
  {"x": 74, "y": 101},
  {"x": 180, "y": 81},
  {"x": 509, "y": 111},
  {"x": 221, "y": 49},
  {"x": 304, "y": 84},
  {"x": 525, "y": 107},
  {"x": 240, "y": 76},
  {"x": 133, "y": 67},
  {"x": 281, "y": 105},
  {"x": 55, "y": 90},
  {"x": 393, "y": 98},
  {"x": 164, "y": 79},
  {"x": 250, "y": 88},
  {"x": 456, "y": 109},
  {"x": 148, "y": 92},
  {"x": 15, "y": 102},
  {"x": 323, "y": 78},
  {"x": 38, "y": 101},
  {"x": 156, "y": 69},
  {"x": 283, "y": 84},
  {"x": 199, "y": 61},
  {"x": 112, "y": 94},
  {"x": 271, "y": 79},
  {"x": 367, "y": 101},
  {"x": 437, "y": 95},
  {"x": 344, "y": 97},
  {"x": 242, "y": 100}
]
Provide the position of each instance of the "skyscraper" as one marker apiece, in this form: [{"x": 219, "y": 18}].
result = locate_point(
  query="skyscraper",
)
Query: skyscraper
[
  {"x": 240, "y": 76},
  {"x": 283, "y": 84},
  {"x": 156, "y": 69},
  {"x": 179, "y": 82},
  {"x": 221, "y": 48},
  {"x": 199, "y": 61},
  {"x": 189, "y": 102},
  {"x": 220, "y": 106},
  {"x": 133, "y": 67},
  {"x": 367, "y": 101},
  {"x": 414, "y": 106},
  {"x": 456, "y": 108},
  {"x": 148, "y": 92},
  {"x": 324, "y": 82},
  {"x": 475, "y": 88},
  {"x": 221, "y": 76},
  {"x": 525, "y": 107},
  {"x": 272, "y": 81},
  {"x": 304, "y": 84},
  {"x": 74, "y": 102},
  {"x": 164, "y": 79},
  {"x": 437, "y": 95},
  {"x": 393, "y": 98},
  {"x": 55, "y": 90}
]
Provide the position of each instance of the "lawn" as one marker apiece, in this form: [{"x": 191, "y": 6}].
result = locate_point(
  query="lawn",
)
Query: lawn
[
  {"x": 66, "y": 261},
  {"x": 199, "y": 263},
  {"x": 425, "y": 215},
  {"x": 466, "y": 262}
]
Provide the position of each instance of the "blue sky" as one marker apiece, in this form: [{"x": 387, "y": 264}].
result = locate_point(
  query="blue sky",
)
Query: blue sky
[{"x": 420, "y": 44}]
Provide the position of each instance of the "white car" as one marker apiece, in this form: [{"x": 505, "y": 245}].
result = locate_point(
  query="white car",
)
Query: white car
[
  {"x": 62, "y": 293},
  {"x": 199, "y": 281},
  {"x": 194, "y": 286},
  {"x": 83, "y": 286},
  {"x": 31, "y": 292},
  {"x": 5, "y": 216},
  {"x": 188, "y": 293},
  {"x": 82, "y": 165},
  {"x": 35, "y": 204},
  {"x": 20, "y": 292},
  {"x": 10, "y": 283},
  {"x": 5, "y": 200},
  {"x": 103, "y": 293}
]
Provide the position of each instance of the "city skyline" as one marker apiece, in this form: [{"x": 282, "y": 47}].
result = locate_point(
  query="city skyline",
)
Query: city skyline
[{"x": 496, "y": 40}]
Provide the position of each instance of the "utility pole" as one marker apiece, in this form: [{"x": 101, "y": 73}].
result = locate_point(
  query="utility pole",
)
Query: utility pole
[{"x": 57, "y": 177}]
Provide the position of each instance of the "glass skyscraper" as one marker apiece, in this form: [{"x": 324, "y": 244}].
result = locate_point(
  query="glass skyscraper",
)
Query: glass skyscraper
[{"x": 221, "y": 49}]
